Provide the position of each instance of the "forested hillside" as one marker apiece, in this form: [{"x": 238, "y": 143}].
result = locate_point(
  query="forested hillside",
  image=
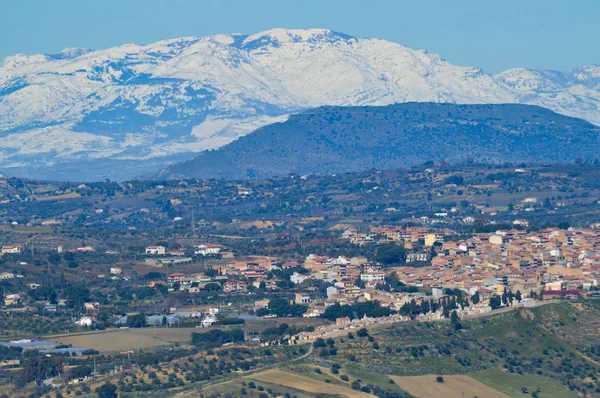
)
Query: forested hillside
[{"x": 330, "y": 140}]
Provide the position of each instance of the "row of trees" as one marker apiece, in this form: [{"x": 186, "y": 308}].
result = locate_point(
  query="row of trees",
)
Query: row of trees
[
  {"x": 372, "y": 309},
  {"x": 507, "y": 298},
  {"x": 282, "y": 308},
  {"x": 216, "y": 338}
]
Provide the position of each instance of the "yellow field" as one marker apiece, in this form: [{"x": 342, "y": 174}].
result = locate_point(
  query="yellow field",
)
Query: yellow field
[
  {"x": 127, "y": 339},
  {"x": 453, "y": 386},
  {"x": 72, "y": 195},
  {"x": 303, "y": 383},
  {"x": 112, "y": 341},
  {"x": 234, "y": 386},
  {"x": 171, "y": 335}
]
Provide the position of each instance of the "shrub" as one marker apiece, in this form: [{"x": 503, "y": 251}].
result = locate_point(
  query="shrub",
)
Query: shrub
[
  {"x": 362, "y": 332},
  {"x": 319, "y": 343}
]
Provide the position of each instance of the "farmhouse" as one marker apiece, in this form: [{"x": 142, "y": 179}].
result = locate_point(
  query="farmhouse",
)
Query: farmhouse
[
  {"x": 92, "y": 306},
  {"x": 7, "y": 275},
  {"x": 11, "y": 299},
  {"x": 157, "y": 283},
  {"x": 210, "y": 249},
  {"x": 302, "y": 298},
  {"x": 12, "y": 249},
  {"x": 156, "y": 250},
  {"x": 175, "y": 277}
]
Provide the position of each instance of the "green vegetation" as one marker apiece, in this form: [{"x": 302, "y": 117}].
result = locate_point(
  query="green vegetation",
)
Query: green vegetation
[
  {"x": 343, "y": 139},
  {"x": 356, "y": 311},
  {"x": 530, "y": 345},
  {"x": 512, "y": 384},
  {"x": 216, "y": 338}
]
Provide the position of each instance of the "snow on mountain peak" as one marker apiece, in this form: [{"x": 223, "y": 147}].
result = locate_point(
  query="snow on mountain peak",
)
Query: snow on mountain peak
[
  {"x": 14, "y": 61},
  {"x": 177, "y": 96},
  {"x": 72, "y": 52},
  {"x": 278, "y": 36}
]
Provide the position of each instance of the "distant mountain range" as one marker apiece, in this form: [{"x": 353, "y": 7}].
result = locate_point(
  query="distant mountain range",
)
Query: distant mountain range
[
  {"x": 332, "y": 140},
  {"x": 129, "y": 110}
]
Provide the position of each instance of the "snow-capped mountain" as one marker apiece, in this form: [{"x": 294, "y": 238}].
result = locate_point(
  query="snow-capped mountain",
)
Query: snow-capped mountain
[{"x": 117, "y": 113}]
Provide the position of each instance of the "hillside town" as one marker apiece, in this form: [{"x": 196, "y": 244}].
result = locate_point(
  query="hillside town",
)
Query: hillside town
[{"x": 545, "y": 264}]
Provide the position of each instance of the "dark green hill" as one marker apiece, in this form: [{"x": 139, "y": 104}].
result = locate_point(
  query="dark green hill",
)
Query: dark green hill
[{"x": 342, "y": 139}]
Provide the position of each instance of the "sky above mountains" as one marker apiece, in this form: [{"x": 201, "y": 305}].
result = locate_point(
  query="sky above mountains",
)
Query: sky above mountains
[{"x": 494, "y": 35}]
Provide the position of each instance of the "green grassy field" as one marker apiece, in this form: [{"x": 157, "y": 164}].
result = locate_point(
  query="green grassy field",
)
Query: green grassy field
[
  {"x": 554, "y": 347},
  {"x": 512, "y": 384},
  {"x": 235, "y": 387}
]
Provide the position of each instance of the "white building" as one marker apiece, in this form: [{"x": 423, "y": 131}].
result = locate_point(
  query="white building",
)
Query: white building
[
  {"x": 413, "y": 257},
  {"x": 85, "y": 321},
  {"x": 372, "y": 276},
  {"x": 115, "y": 271},
  {"x": 7, "y": 275},
  {"x": 208, "y": 249},
  {"x": 12, "y": 249},
  {"x": 156, "y": 250},
  {"x": 297, "y": 278}
]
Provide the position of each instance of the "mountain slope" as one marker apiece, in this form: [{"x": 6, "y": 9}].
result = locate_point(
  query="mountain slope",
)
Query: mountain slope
[
  {"x": 133, "y": 108},
  {"x": 338, "y": 139}
]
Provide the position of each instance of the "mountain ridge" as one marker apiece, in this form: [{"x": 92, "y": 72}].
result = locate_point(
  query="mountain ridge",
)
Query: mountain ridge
[
  {"x": 332, "y": 140},
  {"x": 149, "y": 106}
]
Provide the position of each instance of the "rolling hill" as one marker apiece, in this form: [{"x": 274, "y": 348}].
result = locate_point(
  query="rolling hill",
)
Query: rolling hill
[{"x": 330, "y": 140}]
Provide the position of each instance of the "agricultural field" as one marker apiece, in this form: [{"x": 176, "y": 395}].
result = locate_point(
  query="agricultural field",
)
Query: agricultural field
[
  {"x": 512, "y": 384},
  {"x": 127, "y": 339},
  {"x": 453, "y": 386},
  {"x": 305, "y": 379},
  {"x": 287, "y": 379},
  {"x": 112, "y": 341},
  {"x": 236, "y": 386},
  {"x": 550, "y": 350},
  {"x": 170, "y": 335}
]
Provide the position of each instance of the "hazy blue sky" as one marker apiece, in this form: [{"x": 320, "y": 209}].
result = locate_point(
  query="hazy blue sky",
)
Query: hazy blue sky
[{"x": 494, "y": 35}]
